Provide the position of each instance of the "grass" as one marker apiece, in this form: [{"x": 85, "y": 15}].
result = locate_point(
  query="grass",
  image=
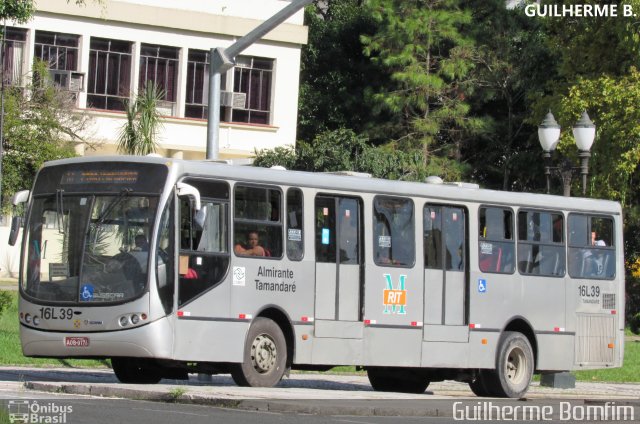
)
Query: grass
[{"x": 11, "y": 352}]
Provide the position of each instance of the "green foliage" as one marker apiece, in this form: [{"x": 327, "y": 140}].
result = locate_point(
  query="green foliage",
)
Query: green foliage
[
  {"x": 38, "y": 127},
  {"x": 423, "y": 47},
  {"x": 19, "y": 11},
  {"x": 343, "y": 150},
  {"x": 334, "y": 71},
  {"x": 5, "y": 301},
  {"x": 139, "y": 134}
]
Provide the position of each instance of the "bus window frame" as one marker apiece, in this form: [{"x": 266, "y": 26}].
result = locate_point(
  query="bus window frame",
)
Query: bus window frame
[
  {"x": 609, "y": 248},
  {"x": 562, "y": 245},
  {"x": 374, "y": 232},
  {"x": 286, "y": 223},
  {"x": 513, "y": 240},
  {"x": 280, "y": 223},
  {"x": 190, "y": 252}
]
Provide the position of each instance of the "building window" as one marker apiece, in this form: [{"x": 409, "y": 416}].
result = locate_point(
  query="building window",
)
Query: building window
[
  {"x": 253, "y": 77},
  {"x": 109, "y": 74},
  {"x": 13, "y": 56},
  {"x": 159, "y": 65},
  {"x": 60, "y": 51},
  {"x": 197, "y": 98}
]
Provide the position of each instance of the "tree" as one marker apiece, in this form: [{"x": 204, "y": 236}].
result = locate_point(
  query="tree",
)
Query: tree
[
  {"x": 139, "y": 134},
  {"x": 421, "y": 44},
  {"x": 40, "y": 124},
  {"x": 335, "y": 73}
]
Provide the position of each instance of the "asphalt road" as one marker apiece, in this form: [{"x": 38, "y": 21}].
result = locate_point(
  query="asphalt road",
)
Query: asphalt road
[{"x": 315, "y": 397}]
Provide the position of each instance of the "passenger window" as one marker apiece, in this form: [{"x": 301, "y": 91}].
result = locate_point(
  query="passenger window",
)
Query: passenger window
[
  {"x": 592, "y": 249},
  {"x": 496, "y": 250},
  {"x": 257, "y": 222},
  {"x": 295, "y": 239},
  {"x": 393, "y": 231},
  {"x": 325, "y": 229},
  {"x": 204, "y": 250},
  {"x": 444, "y": 238},
  {"x": 541, "y": 249}
]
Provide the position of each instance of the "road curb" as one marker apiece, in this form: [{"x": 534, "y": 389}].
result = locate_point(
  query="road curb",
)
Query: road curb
[{"x": 337, "y": 407}]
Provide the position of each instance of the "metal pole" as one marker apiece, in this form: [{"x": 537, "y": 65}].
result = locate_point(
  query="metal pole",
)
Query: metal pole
[{"x": 224, "y": 59}]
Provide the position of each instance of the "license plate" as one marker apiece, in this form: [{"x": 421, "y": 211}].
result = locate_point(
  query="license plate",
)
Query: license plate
[{"x": 76, "y": 341}]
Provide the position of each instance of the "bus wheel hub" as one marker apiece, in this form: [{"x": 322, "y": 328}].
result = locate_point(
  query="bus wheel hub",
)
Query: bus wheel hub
[{"x": 263, "y": 353}]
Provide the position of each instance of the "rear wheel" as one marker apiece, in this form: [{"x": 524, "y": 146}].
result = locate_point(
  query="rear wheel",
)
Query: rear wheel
[
  {"x": 479, "y": 384},
  {"x": 514, "y": 367},
  {"x": 397, "y": 380},
  {"x": 136, "y": 371},
  {"x": 265, "y": 356}
]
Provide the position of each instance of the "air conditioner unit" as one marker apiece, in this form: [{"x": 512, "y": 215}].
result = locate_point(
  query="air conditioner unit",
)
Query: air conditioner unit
[
  {"x": 67, "y": 80},
  {"x": 234, "y": 100}
]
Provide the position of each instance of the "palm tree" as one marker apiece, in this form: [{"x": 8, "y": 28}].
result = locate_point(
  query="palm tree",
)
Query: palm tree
[{"x": 138, "y": 135}]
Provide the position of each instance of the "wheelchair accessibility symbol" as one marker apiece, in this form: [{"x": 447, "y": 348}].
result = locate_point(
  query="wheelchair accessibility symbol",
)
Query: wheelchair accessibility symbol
[
  {"x": 482, "y": 285},
  {"x": 86, "y": 292}
]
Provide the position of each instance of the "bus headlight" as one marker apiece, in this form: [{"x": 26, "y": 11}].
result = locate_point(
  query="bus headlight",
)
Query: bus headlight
[
  {"x": 124, "y": 321},
  {"x": 135, "y": 319},
  {"x": 36, "y": 321},
  {"x": 27, "y": 318}
]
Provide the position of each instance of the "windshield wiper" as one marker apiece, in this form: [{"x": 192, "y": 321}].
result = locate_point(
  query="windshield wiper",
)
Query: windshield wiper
[{"x": 111, "y": 206}]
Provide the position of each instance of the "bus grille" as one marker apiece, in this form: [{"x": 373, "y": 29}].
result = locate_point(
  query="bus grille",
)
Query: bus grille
[
  {"x": 595, "y": 339},
  {"x": 608, "y": 301}
]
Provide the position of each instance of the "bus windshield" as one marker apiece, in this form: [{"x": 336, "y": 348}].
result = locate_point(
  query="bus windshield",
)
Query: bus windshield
[{"x": 86, "y": 243}]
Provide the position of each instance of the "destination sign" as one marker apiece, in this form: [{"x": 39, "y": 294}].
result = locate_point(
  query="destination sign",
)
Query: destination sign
[{"x": 77, "y": 177}]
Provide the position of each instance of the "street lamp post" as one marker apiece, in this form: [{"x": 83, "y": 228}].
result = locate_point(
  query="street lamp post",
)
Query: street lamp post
[{"x": 584, "y": 132}]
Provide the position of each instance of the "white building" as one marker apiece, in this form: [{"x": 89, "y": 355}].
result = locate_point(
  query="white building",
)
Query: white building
[{"x": 107, "y": 52}]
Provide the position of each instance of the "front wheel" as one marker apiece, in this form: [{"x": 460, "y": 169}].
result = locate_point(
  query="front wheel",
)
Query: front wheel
[
  {"x": 265, "y": 356},
  {"x": 514, "y": 367}
]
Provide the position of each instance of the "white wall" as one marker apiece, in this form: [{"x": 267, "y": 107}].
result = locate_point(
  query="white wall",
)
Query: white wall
[{"x": 189, "y": 134}]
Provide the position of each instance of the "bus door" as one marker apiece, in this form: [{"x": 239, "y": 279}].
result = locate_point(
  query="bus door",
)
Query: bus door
[
  {"x": 338, "y": 233},
  {"x": 445, "y": 274}
]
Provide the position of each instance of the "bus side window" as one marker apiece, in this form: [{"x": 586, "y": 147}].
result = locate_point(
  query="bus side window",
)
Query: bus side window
[
  {"x": 496, "y": 244},
  {"x": 295, "y": 239},
  {"x": 541, "y": 249},
  {"x": 257, "y": 212},
  {"x": 592, "y": 249}
]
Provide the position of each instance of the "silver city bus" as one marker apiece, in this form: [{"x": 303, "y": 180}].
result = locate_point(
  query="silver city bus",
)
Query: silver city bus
[{"x": 170, "y": 267}]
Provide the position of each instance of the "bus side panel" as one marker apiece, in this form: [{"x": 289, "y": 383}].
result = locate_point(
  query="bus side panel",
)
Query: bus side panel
[
  {"x": 334, "y": 351},
  {"x": 210, "y": 341},
  {"x": 393, "y": 347},
  {"x": 555, "y": 352}
]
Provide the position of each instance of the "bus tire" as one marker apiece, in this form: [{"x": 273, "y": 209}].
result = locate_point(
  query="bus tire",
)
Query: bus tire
[
  {"x": 479, "y": 384},
  {"x": 397, "y": 380},
  {"x": 514, "y": 367},
  {"x": 265, "y": 356},
  {"x": 135, "y": 371}
]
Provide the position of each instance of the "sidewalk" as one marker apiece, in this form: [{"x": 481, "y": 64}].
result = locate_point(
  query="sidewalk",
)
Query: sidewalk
[{"x": 303, "y": 393}]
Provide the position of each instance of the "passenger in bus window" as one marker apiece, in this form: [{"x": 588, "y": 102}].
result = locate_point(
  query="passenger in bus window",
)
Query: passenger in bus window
[{"x": 252, "y": 246}]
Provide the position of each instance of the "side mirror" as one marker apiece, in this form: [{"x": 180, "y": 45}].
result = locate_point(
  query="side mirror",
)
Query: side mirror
[
  {"x": 193, "y": 193},
  {"x": 16, "y": 223}
]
